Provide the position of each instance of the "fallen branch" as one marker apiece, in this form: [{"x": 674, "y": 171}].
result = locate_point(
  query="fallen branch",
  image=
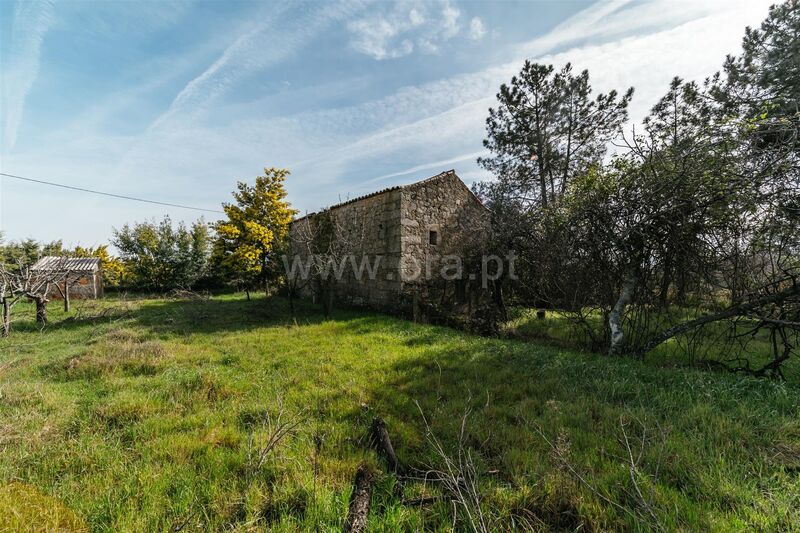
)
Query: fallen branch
[
  {"x": 278, "y": 428},
  {"x": 358, "y": 511},
  {"x": 379, "y": 439}
]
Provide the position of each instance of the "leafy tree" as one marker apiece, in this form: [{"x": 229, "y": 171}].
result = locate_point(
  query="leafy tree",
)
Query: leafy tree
[
  {"x": 762, "y": 84},
  {"x": 114, "y": 271},
  {"x": 28, "y": 251},
  {"x": 249, "y": 241},
  {"x": 690, "y": 233},
  {"x": 546, "y": 129},
  {"x": 161, "y": 256}
]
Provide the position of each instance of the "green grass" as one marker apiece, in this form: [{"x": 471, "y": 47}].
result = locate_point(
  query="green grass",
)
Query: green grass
[
  {"x": 711, "y": 343},
  {"x": 146, "y": 418}
]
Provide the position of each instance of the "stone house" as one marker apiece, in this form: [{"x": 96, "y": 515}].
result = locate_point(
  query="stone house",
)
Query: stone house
[
  {"x": 77, "y": 277},
  {"x": 406, "y": 234}
]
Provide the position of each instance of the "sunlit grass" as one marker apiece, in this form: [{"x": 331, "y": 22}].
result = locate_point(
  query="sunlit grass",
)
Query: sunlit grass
[{"x": 145, "y": 418}]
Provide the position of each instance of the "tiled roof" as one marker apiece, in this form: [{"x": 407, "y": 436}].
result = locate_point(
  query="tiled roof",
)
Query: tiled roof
[
  {"x": 376, "y": 193},
  {"x": 73, "y": 264}
]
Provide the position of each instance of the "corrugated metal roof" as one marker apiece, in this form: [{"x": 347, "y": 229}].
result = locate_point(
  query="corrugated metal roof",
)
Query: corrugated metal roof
[
  {"x": 73, "y": 264},
  {"x": 388, "y": 189}
]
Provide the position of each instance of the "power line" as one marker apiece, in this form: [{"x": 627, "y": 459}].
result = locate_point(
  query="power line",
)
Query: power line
[{"x": 122, "y": 196}]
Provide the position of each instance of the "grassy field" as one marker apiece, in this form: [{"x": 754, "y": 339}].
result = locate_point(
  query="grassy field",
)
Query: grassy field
[
  {"x": 709, "y": 344},
  {"x": 154, "y": 415}
]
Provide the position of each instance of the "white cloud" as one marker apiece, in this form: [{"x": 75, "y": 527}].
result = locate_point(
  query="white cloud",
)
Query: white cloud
[
  {"x": 246, "y": 55},
  {"x": 434, "y": 165},
  {"x": 20, "y": 58},
  {"x": 476, "y": 29},
  {"x": 415, "y": 131},
  {"x": 448, "y": 115},
  {"x": 286, "y": 34},
  {"x": 397, "y": 30}
]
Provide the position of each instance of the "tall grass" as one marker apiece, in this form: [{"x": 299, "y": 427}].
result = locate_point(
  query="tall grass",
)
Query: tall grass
[{"x": 151, "y": 415}]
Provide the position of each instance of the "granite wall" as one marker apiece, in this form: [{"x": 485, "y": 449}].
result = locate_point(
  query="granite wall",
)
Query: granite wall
[{"x": 411, "y": 229}]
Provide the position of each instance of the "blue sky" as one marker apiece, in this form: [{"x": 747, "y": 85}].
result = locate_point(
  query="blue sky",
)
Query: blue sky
[{"x": 175, "y": 101}]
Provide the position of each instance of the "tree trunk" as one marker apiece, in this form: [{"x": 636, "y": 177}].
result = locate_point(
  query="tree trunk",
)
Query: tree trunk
[
  {"x": 618, "y": 312},
  {"x": 247, "y": 292},
  {"x": 499, "y": 301},
  {"x": 666, "y": 281},
  {"x": 358, "y": 511},
  {"x": 66, "y": 297},
  {"x": 6, "y": 317},
  {"x": 41, "y": 310}
]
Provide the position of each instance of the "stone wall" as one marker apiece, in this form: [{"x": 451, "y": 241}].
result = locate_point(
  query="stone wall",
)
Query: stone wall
[
  {"x": 395, "y": 225},
  {"x": 365, "y": 229},
  {"x": 441, "y": 218}
]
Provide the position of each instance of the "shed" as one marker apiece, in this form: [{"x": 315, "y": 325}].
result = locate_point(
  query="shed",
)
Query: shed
[{"x": 81, "y": 277}]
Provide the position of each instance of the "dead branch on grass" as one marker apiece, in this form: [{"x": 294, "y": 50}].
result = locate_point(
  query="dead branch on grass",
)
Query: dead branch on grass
[
  {"x": 358, "y": 510},
  {"x": 457, "y": 474},
  {"x": 283, "y": 425}
]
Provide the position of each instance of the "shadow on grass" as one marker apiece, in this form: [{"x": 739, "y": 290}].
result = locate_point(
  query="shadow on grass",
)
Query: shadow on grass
[
  {"x": 229, "y": 315},
  {"x": 517, "y": 396}
]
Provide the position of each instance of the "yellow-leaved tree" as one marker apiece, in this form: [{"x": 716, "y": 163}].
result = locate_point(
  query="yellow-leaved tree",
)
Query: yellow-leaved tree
[
  {"x": 114, "y": 271},
  {"x": 250, "y": 240}
]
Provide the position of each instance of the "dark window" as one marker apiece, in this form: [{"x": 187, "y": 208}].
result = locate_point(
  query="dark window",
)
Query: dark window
[{"x": 434, "y": 237}]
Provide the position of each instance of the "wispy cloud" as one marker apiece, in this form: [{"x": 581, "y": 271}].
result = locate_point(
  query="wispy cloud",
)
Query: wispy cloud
[
  {"x": 476, "y": 29},
  {"x": 281, "y": 33},
  {"x": 452, "y": 111},
  {"x": 286, "y": 28},
  {"x": 434, "y": 165},
  {"x": 21, "y": 57},
  {"x": 397, "y": 30}
]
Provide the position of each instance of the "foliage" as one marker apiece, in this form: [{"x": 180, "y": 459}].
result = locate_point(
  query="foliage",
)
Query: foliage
[
  {"x": 699, "y": 211},
  {"x": 162, "y": 256},
  {"x": 145, "y": 416},
  {"x": 114, "y": 271},
  {"x": 546, "y": 130},
  {"x": 27, "y": 251},
  {"x": 250, "y": 240}
]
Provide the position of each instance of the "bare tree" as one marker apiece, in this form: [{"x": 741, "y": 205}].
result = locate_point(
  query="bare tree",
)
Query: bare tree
[{"x": 21, "y": 282}]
